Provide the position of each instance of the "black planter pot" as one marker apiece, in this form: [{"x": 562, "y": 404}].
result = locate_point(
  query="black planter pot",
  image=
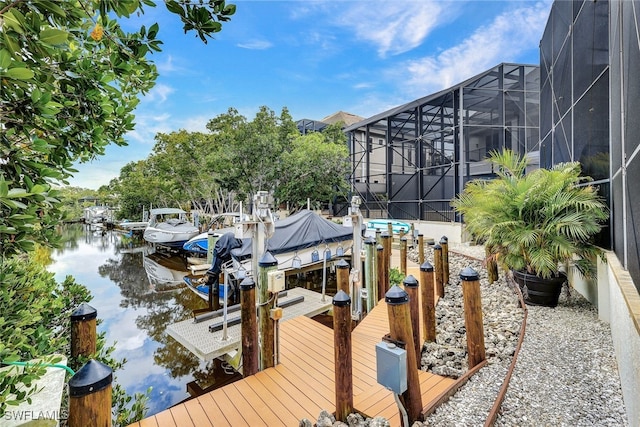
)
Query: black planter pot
[{"x": 539, "y": 291}]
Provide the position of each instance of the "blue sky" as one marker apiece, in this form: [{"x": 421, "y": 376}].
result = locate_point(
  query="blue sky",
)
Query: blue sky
[{"x": 319, "y": 57}]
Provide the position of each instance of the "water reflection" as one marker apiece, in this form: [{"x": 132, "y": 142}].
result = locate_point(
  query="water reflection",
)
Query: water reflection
[{"x": 135, "y": 308}]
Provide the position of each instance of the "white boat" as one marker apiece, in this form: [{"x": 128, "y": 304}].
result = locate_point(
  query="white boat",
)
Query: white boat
[
  {"x": 223, "y": 223},
  {"x": 169, "y": 226}
]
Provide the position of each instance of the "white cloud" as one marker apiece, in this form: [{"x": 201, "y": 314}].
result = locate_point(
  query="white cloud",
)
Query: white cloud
[
  {"x": 503, "y": 40},
  {"x": 395, "y": 26},
  {"x": 159, "y": 93},
  {"x": 256, "y": 45}
]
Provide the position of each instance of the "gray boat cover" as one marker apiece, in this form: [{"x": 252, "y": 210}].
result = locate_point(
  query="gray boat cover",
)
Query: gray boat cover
[{"x": 305, "y": 229}]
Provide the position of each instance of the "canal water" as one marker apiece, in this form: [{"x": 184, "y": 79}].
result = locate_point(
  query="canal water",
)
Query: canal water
[{"x": 137, "y": 292}]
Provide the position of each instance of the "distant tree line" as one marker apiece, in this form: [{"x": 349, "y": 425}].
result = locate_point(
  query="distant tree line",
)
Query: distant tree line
[{"x": 215, "y": 170}]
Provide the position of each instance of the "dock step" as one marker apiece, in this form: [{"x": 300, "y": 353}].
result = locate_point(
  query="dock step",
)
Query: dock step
[{"x": 235, "y": 320}]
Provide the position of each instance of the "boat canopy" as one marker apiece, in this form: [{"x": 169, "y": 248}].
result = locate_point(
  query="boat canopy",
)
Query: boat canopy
[{"x": 305, "y": 229}]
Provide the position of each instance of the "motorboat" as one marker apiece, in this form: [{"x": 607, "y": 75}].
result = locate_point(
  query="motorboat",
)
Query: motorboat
[
  {"x": 301, "y": 240},
  {"x": 169, "y": 227},
  {"x": 220, "y": 224}
]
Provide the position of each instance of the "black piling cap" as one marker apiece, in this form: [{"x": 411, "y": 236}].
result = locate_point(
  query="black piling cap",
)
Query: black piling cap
[
  {"x": 469, "y": 274},
  {"x": 83, "y": 312},
  {"x": 210, "y": 233},
  {"x": 444, "y": 239},
  {"x": 403, "y": 239},
  {"x": 396, "y": 296},
  {"x": 410, "y": 281},
  {"x": 92, "y": 377},
  {"x": 426, "y": 266},
  {"x": 342, "y": 264},
  {"x": 267, "y": 260},
  {"x": 379, "y": 247},
  {"x": 341, "y": 299},
  {"x": 370, "y": 241},
  {"x": 437, "y": 247},
  {"x": 247, "y": 284},
  {"x": 385, "y": 235}
]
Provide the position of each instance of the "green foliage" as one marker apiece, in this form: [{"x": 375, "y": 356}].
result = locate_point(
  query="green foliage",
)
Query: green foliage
[
  {"x": 34, "y": 321},
  {"x": 315, "y": 168},
  {"x": 35, "y": 315},
  {"x": 533, "y": 222},
  {"x": 395, "y": 276},
  {"x": 71, "y": 79}
]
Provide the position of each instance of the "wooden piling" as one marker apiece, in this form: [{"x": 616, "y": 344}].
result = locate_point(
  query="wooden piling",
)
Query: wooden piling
[
  {"x": 386, "y": 239},
  {"x": 437, "y": 263},
  {"x": 420, "y": 249},
  {"x": 492, "y": 265},
  {"x": 83, "y": 331},
  {"x": 428, "y": 302},
  {"x": 382, "y": 285},
  {"x": 403, "y": 255},
  {"x": 90, "y": 396},
  {"x": 411, "y": 288},
  {"x": 444, "y": 243},
  {"x": 249, "y": 327},
  {"x": 342, "y": 352},
  {"x": 371, "y": 273},
  {"x": 400, "y": 330},
  {"x": 342, "y": 276},
  {"x": 473, "y": 316},
  {"x": 266, "y": 303}
]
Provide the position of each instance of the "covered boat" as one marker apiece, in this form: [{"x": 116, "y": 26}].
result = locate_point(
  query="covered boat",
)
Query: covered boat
[{"x": 169, "y": 226}]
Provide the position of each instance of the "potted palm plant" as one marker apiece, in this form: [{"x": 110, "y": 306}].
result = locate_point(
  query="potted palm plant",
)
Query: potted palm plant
[{"x": 532, "y": 224}]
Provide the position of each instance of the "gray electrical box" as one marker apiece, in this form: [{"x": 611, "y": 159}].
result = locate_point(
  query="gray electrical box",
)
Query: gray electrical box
[{"x": 391, "y": 367}]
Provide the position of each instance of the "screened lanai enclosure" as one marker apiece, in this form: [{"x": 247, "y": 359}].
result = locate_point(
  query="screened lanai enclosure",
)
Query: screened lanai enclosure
[{"x": 410, "y": 161}]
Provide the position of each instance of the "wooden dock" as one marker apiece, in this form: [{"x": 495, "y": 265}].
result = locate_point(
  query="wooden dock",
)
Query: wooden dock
[
  {"x": 209, "y": 345},
  {"x": 303, "y": 383}
]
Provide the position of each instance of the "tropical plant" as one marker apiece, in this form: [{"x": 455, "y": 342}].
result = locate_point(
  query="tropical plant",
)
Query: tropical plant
[{"x": 532, "y": 222}]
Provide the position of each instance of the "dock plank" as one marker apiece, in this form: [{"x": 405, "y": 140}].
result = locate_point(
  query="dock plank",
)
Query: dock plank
[
  {"x": 197, "y": 413},
  {"x": 214, "y": 411}
]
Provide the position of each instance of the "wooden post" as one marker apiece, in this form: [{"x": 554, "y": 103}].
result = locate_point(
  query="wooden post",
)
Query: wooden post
[
  {"x": 473, "y": 316},
  {"x": 411, "y": 288},
  {"x": 390, "y": 229},
  {"x": 90, "y": 396},
  {"x": 437, "y": 262},
  {"x": 386, "y": 244},
  {"x": 400, "y": 330},
  {"x": 342, "y": 355},
  {"x": 371, "y": 273},
  {"x": 266, "y": 324},
  {"x": 83, "y": 331},
  {"x": 420, "y": 249},
  {"x": 249, "y": 327},
  {"x": 403, "y": 255},
  {"x": 444, "y": 243},
  {"x": 382, "y": 285},
  {"x": 428, "y": 302},
  {"x": 492, "y": 265},
  {"x": 342, "y": 276}
]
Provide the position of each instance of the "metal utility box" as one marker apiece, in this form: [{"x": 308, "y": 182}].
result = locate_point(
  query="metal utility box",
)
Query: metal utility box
[
  {"x": 391, "y": 367},
  {"x": 275, "y": 281}
]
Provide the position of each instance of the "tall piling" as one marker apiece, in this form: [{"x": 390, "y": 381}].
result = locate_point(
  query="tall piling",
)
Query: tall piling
[
  {"x": 249, "y": 327},
  {"x": 342, "y": 276},
  {"x": 342, "y": 352},
  {"x": 411, "y": 288},
  {"x": 473, "y": 316},
  {"x": 403, "y": 255},
  {"x": 267, "y": 302},
  {"x": 428, "y": 302},
  {"x": 90, "y": 396},
  {"x": 401, "y": 330},
  {"x": 83, "y": 331},
  {"x": 437, "y": 263},
  {"x": 444, "y": 243}
]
